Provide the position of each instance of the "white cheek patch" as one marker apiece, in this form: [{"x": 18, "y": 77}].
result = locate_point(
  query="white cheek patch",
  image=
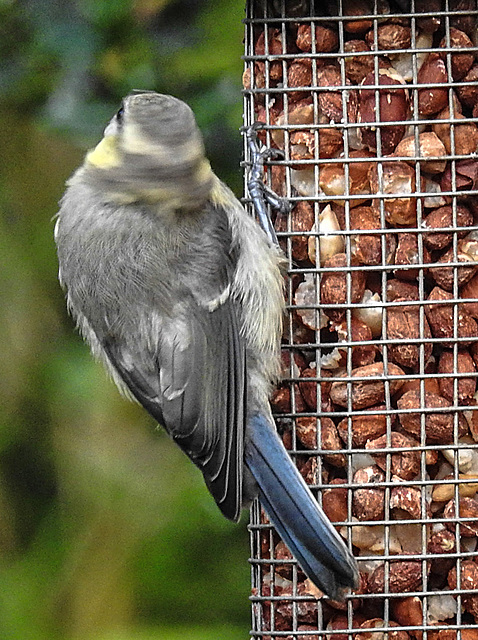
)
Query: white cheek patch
[{"x": 133, "y": 141}]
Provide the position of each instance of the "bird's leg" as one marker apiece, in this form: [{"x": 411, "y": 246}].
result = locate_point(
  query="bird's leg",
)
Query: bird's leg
[{"x": 260, "y": 193}]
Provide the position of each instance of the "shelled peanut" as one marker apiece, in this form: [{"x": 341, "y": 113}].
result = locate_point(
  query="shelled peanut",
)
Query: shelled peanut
[{"x": 375, "y": 117}]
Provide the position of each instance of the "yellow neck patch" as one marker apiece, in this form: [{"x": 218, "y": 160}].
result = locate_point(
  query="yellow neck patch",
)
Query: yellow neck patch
[
  {"x": 105, "y": 155},
  {"x": 204, "y": 171}
]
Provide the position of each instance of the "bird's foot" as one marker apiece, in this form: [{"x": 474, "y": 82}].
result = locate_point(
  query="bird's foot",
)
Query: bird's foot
[{"x": 261, "y": 194}]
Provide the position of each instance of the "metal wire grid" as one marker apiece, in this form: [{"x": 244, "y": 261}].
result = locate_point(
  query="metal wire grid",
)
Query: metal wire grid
[{"x": 283, "y": 604}]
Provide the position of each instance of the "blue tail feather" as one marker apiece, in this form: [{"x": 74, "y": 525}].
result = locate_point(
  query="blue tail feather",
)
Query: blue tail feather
[{"x": 295, "y": 514}]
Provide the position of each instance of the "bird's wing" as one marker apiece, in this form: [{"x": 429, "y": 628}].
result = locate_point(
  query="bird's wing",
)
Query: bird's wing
[{"x": 192, "y": 380}]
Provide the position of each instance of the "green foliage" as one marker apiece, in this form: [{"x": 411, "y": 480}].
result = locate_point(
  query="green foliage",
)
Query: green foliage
[
  {"x": 106, "y": 530},
  {"x": 72, "y": 62},
  {"x": 180, "y": 633}
]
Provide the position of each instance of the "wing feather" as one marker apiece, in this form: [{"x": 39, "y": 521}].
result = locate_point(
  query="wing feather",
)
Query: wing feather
[{"x": 194, "y": 384}]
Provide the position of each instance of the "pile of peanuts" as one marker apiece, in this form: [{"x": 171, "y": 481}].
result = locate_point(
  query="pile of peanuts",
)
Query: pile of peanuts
[{"x": 373, "y": 109}]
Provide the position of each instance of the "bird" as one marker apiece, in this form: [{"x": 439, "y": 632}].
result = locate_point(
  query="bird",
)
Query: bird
[{"x": 179, "y": 292}]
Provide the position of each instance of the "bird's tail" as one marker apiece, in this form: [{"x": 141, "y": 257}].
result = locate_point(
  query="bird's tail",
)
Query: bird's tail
[{"x": 294, "y": 512}]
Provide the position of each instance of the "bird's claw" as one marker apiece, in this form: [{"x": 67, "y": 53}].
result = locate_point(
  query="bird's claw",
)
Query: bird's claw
[{"x": 260, "y": 193}]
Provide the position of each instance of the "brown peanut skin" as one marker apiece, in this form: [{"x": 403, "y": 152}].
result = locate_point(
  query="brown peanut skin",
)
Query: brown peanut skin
[
  {"x": 364, "y": 426},
  {"x": 368, "y": 501},
  {"x": 445, "y": 276},
  {"x": 390, "y": 36},
  {"x": 440, "y": 223},
  {"x": 441, "y": 318},
  {"x": 403, "y": 576},
  {"x": 301, "y": 219},
  {"x": 326, "y": 38},
  {"x": 394, "y": 105},
  {"x": 434, "y": 99},
  {"x": 357, "y": 66},
  {"x": 439, "y": 427},
  {"x": 405, "y": 464},
  {"x": 334, "y": 286},
  {"x": 460, "y": 62},
  {"x": 366, "y": 393},
  {"x": 466, "y": 507},
  {"x": 409, "y": 253},
  {"x": 408, "y": 612},
  {"x": 466, "y": 387},
  {"x": 403, "y": 323}
]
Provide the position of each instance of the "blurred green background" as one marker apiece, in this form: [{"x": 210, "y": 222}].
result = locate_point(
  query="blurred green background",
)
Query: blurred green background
[{"x": 106, "y": 530}]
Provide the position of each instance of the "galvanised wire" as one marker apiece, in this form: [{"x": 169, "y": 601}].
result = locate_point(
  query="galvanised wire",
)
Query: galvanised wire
[{"x": 279, "y": 602}]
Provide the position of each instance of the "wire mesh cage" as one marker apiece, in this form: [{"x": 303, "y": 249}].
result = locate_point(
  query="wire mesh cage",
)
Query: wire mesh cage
[{"x": 373, "y": 105}]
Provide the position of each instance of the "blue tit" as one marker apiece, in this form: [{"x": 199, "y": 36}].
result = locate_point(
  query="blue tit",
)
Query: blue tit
[{"x": 179, "y": 292}]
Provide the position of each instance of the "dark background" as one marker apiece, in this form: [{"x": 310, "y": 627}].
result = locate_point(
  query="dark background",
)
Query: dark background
[{"x": 106, "y": 530}]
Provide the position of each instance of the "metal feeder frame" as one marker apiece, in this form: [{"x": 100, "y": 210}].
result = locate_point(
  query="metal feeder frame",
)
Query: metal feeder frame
[{"x": 271, "y": 604}]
